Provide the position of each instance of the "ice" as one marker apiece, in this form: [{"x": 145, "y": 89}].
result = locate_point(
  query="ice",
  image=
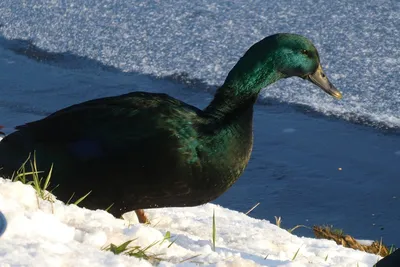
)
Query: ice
[{"x": 358, "y": 43}]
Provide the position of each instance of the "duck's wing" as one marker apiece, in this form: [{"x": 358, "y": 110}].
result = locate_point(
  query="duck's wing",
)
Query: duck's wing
[
  {"x": 131, "y": 116},
  {"x": 108, "y": 128}
]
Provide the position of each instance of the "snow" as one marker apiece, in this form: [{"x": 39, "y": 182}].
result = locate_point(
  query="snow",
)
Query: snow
[{"x": 53, "y": 234}]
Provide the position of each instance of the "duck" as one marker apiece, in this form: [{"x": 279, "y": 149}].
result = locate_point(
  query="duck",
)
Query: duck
[{"x": 143, "y": 150}]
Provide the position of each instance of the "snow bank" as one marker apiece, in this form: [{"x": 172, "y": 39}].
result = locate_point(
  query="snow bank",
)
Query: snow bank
[{"x": 59, "y": 235}]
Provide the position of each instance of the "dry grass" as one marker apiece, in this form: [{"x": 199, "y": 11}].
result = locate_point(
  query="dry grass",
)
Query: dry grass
[{"x": 326, "y": 232}]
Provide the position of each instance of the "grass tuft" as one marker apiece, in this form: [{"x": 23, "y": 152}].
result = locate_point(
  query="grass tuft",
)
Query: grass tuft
[
  {"x": 337, "y": 235},
  {"x": 135, "y": 251},
  {"x": 119, "y": 249},
  {"x": 40, "y": 184},
  {"x": 21, "y": 174},
  {"x": 278, "y": 221}
]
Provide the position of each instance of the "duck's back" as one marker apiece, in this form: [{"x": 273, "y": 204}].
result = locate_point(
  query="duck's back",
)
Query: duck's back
[{"x": 106, "y": 143}]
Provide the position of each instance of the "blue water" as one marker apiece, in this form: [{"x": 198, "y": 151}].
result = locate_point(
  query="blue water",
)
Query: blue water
[{"x": 57, "y": 53}]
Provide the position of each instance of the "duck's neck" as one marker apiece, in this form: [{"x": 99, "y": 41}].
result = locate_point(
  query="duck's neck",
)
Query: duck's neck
[
  {"x": 254, "y": 71},
  {"x": 240, "y": 91}
]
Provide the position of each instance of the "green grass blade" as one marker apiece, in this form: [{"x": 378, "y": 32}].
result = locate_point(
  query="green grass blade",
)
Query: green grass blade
[
  {"x": 297, "y": 226},
  {"x": 122, "y": 247},
  {"x": 82, "y": 198},
  {"x": 70, "y": 198},
  {"x": 151, "y": 245},
  {"x": 214, "y": 231},
  {"x": 190, "y": 258},
  {"x": 295, "y": 255},
  {"x": 47, "y": 180},
  {"x": 250, "y": 210},
  {"x": 167, "y": 236},
  {"x": 36, "y": 181},
  {"x": 109, "y": 207},
  {"x": 21, "y": 172},
  {"x": 172, "y": 242}
]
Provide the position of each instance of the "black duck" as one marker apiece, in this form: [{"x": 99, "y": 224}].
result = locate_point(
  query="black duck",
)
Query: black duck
[{"x": 146, "y": 150}]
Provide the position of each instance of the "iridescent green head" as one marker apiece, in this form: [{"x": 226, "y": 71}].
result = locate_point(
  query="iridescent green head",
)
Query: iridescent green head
[{"x": 279, "y": 56}]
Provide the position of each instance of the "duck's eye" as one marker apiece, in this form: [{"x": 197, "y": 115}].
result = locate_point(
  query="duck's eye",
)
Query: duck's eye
[{"x": 305, "y": 52}]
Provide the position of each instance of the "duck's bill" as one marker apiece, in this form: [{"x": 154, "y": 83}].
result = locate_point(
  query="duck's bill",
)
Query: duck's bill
[{"x": 319, "y": 78}]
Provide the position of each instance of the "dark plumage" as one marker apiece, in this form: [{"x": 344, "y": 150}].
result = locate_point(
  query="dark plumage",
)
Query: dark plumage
[{"x": 145, "y": 150}]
